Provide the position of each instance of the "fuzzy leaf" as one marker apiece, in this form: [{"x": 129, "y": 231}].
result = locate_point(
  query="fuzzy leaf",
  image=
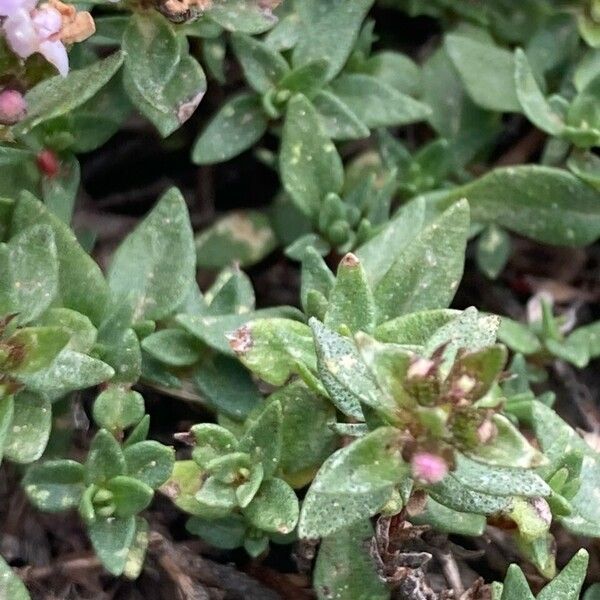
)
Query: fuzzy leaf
[
  {"x": 345, "y": 569},
  {"x": 29, "y": 266},
  {"x": 105, "y": 459},
  {"x": 59, "y": 95},
  {"x": 117, "y": 408},
  {"x": 30, "y": 428},
  {"x": 274, "y": 508},
  {"x": 351, "y": 302},
  {"x": 81, "y": 283},
  {"x": 426, "y": 273},
  {"x": 377, "y": 104},
  {"x": 111, "y": 539},
  {"x": 353, "y": 484},
  {"x": 12, "y": 587},
  {"x": 238, "y": 125},
  {"x": 245, "y": 237},
  {"x": 491, "y": 88},
  {"x": 54, "y": 485},
  {"x": 149, "y": 462},
  {"x": 309, "y": 163},
  {"x": 262, "y": 66},
  {"x": 319, "y": 19},
  {"x": 155, "y": 265}
]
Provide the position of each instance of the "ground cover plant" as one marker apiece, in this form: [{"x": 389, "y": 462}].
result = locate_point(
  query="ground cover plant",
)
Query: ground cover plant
[{"x": 299, "y": 299}]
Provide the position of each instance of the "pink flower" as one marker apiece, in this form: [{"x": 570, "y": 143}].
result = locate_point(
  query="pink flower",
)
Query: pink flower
[
  {"x": 12, "y": 107},
  {"x": 29, "y": 30},
  {"x": 428, "y": 468}
]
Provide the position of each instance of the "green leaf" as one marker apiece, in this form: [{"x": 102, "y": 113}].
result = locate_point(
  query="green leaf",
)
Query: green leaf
[
  {"x": 380, "y": 252},
  {"x": 59, "y": 95},
  {"x": 105, "y": 459},
  {"x": 274, "y": 508},
  {"x": 79, "y": 328},
  {"x": 111, "y": 539},
  {"x": 29, "y": 273},
  {"x": 353, "y": 484},
  {"x": 344, "y": 374},
  {"x": 518, "y": 337},
  {"x": 567, "y": 584},
  {"x": 12, "y": 587},
  {"x": 549, "y": 205},
  {"x": 486, "y": 70},
  {"x": 238, "y": 125},
  {"x": 226, "y": 533},
  {"x": 499, "y": 481},
  {"x": 396, "y": 70},
  {"x": 309, "y": 163},
  {"x": 533, "y": 102},
  {"x": 337, "y": 119},
  {"x": 415, "y": 328},
  {"x": 587, "y": 167},
  {"x": 554, "y": 436},
  {"x": 262, "y": 66},
  {"x": 173, "y": 347},
  {"x": 59, "y": 193},
  {"x": 130, "y": 496},
  {"x": 227, "y": 386},
  {"x": 307, "y": 439},
  {"x": 183, "y": 485},
  {"x": 54, "y": 485},
  {"x": 70, "y": 371},
  {"x": 493, "y": 251},
  {"x": 345, "y": 568},
  {"x": 155, "y": 265},
  {"x": 275, "y": 349},
  {"x": 515, "y": 585},
  {"x": 247, "y": 16},
  {"x": 7, "y": 408},
  {"x": 214, "y": 331},
  {"x": 426, "y": 274},
  {"x": 377, "y": 104},
  {"x": 262, "y": 438},
  {"x": 34, "y": 349},
  {"x": 444, "y": 519},
  {"x": 149, "y": 462},
  {"x": 118, "y": 408},
  {"x": 587, "y": 338},
  {"x": 162, "y": 80},
  {"x": 509, "y": 448},
  {"x": 245, "y": 237},
  {"x": 30, "y": 428},
  {"x": 137, "y": 550},
  {"x": 351, "y": 302},
  {"x": 307, "y": 79},
  {"x": 319, "y": 19},
  {"x": 81, "y": 283}
]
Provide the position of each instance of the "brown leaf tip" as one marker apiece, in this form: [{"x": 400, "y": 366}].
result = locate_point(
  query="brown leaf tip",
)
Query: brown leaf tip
[{"x": 350, "y": 260}]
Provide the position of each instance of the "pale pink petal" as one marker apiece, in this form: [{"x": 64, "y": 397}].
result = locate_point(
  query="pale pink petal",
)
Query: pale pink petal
[
  {"x": 56, "y": 54},
  {"x": 20, "y": 34},
  {"x": 47, "y": 21},
  {"x": 10, "y": 7}
]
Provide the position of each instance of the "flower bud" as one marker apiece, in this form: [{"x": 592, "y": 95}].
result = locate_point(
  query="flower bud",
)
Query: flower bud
[
  {"x": 13, "y": 107},
  {"x": 428, "y": 468},
  {"x": 47, "y": 163}
]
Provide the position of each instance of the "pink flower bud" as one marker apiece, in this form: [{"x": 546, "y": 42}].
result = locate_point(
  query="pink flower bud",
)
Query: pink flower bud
[
  {"x": 12, "y": 107},
  {"x": 47, "y": 163},
  {"x": 428, "y": 468}
]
